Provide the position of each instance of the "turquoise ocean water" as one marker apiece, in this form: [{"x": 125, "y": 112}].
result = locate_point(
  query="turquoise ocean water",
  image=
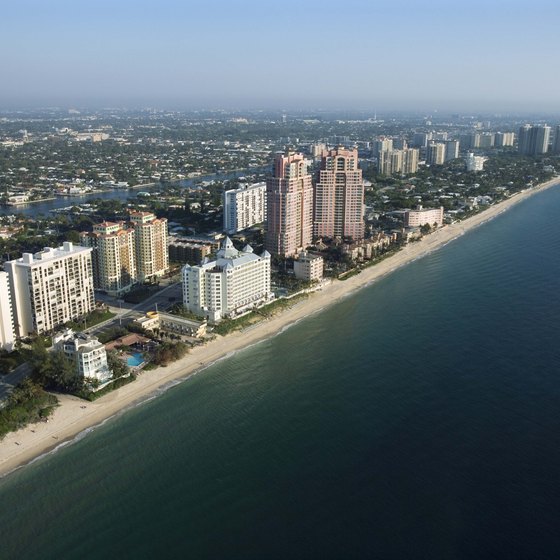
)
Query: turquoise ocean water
[{"x": 418, "y": 418}]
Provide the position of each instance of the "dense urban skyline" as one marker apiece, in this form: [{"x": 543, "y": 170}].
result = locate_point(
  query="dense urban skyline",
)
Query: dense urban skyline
[{"x": 496, "y": 55}]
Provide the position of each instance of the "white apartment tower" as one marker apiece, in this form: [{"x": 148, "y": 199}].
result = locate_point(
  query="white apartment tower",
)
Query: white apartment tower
[
  {"x": 235, "y": 282},
  {"x": 7, "y": 330},
  {"x": 50, "y": 288},
  {"x": 152, "y": 254},
  {"x": 244, "y": 207},
  {"x": 113, "y": 256}
]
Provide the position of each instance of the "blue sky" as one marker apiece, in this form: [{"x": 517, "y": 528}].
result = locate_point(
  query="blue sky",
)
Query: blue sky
[{"x": 426, "y": 55}]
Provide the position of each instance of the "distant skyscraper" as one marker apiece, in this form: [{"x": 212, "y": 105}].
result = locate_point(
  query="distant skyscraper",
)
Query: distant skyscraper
[
  {"x": 421, "y": 139},
  {"x": 382, "y": 145},
  {"x": 410, "y": 161},
  {"x": 435, "y": 154},
  {"x": 289, "y": 197},
  {"x": 533, "y": 140},
  {"x": 556, "y": 145},
  {"x": 339, "y": 196},
  {"x": 451, "y": 150},
  {"x": 503, "y": 139}
]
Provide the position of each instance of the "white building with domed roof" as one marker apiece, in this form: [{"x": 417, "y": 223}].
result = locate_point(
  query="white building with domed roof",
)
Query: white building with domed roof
[{"x": 235, "y": 282}]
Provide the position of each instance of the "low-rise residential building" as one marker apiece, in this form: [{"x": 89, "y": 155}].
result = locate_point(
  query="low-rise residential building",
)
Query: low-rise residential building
[
  {"x": 424, "y": 216},
  {"x": 86, "y": 352},
  {"x": 235, "y": 282},
  {"x": 169, "y": 322},
  {"x": 188, "y": 252},
  {"x": 309, "y": 267}
]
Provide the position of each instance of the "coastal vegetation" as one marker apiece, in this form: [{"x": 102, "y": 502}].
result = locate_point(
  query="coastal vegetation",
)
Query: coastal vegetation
[
  {"x": 27, "y": 403},
  {"x": 227, "y": 326}
]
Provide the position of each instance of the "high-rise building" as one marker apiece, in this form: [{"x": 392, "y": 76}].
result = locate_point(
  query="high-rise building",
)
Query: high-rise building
[
  {"x": 556, "y": 145},
  {"x": 235, "y": 282},
  {"x": 503, "y": 139},
  {"x": 244, "y": 207},
  {"x": 50, "y": 288},
  {"x": 435, "y": 154},
  {"x": 382, "y": 145},
  {"x": 410, "y": 161},
  {"x": 152, "y": 256},
  {"x": 390, "y": 162},
  {"x": 421, "y": 139},
  {"x": 289, "y": 200},
  {"x": 403, "y": 162},
  {"x": 7, "y": 329},
  {"x": 451, "y": 150},
  {"x": 339, "y": 196},
  {"x": 533, "y": 140},
  {"x": 113, "y": 257},
  {"x": 486, "y": 140}
]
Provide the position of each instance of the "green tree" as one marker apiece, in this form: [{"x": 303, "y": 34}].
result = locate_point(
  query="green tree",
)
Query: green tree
[{"x": 116, "y": 365}]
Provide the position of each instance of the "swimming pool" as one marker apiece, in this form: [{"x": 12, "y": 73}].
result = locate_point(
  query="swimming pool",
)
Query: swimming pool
[{"x": 135, "y": 360}]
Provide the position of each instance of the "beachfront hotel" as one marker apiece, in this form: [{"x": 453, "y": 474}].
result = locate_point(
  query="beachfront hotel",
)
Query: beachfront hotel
[
  {"x": 244, "y": 207},
  {"x": 113, "y": 257},
  {"x": 152, "y": 254},
  {"x": 50, "y": 288},
  {"x": 424, "y": 216},
  {"x": 86, "y": 353},
  {"x": 339, "y": 196},
  {"x": 7, "y": 329},
  {"x": 235, "y": 282},
  {"x": 289, "y": 199}
]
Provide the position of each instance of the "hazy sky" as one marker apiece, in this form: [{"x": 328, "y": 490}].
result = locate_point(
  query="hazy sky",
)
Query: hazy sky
[{"x": 407, "y": 54}]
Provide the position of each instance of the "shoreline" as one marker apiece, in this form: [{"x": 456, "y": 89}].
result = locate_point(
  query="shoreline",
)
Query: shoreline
[{"x": 74, "y": 418}]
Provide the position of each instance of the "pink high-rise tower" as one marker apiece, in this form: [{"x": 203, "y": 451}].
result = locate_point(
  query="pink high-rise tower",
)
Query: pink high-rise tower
[
  {"x": 289, "y": 193},
  {"x": 339, "y": 196}
]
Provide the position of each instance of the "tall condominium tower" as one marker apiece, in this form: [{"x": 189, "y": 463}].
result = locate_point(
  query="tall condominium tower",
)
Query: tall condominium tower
[
  {"x": 339, "y": 196},
  {"x": 7, "y": 330},
  {"x": 533, "y": 140},
  {"x": 435, "y": 154},
  {"x": 152, "y": 254},
  {"x": 113, "y": 256},
  {"x": 451, "y": 149},
  {"x": 556, "y": 145},
  {"x": 289, "y": 198},
  {"x": 244, "y": 207},
  {"x": 50, "y": 288},
  {"x": 504, "y": 139}
]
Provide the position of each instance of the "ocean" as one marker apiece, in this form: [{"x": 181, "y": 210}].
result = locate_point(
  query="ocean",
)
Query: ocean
[{"x": 418, "y": 418}]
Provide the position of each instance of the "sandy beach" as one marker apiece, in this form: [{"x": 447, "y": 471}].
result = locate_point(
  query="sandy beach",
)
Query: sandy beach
[{"x": 74, "y": 415}]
